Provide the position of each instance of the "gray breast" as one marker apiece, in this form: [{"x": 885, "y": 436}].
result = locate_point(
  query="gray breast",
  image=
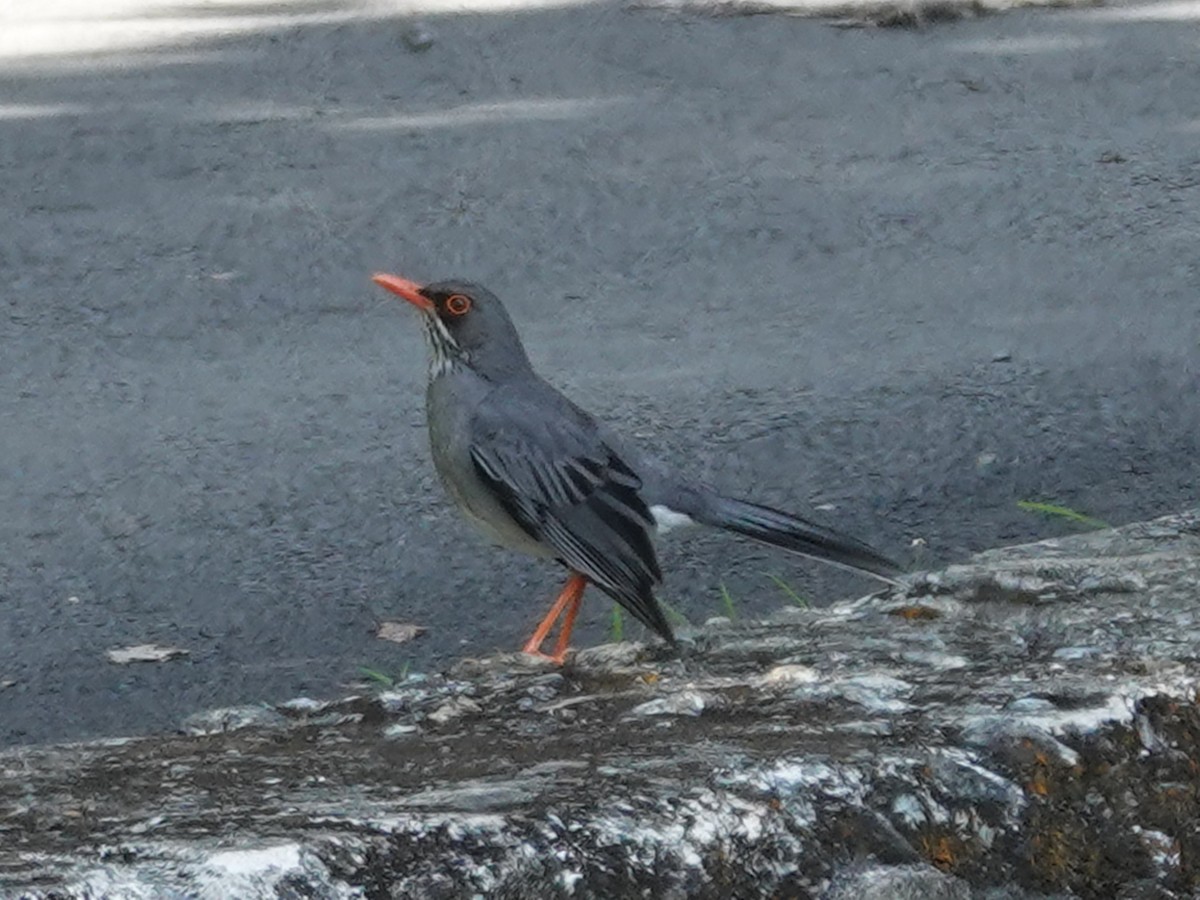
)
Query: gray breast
[{"x": 450, "y": 401}]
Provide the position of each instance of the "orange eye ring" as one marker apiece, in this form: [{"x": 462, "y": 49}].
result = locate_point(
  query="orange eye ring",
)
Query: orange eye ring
[{"x": 458, "y": 304}]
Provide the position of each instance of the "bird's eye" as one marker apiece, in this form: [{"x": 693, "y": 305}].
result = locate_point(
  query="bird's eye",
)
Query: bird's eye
[{"x": 458, "y": 304}]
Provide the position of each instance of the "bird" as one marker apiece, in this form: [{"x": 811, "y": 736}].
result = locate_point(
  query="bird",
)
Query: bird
[{"x": 537, "y": 474}]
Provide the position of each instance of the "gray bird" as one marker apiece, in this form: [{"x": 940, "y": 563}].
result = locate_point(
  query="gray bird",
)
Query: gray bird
[{"x": 538, "y": 474}]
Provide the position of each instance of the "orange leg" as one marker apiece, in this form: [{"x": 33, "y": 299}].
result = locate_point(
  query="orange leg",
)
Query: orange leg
[
  {"x": 564, "y": 633},
  {"x": 569, "y": 600}
]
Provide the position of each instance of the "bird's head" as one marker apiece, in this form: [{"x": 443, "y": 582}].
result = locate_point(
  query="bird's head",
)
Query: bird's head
[{"x": 466, "y": 325}]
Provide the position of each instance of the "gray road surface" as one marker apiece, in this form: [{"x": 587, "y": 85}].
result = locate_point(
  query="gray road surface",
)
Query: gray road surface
[{"x": 788, "y": 255}]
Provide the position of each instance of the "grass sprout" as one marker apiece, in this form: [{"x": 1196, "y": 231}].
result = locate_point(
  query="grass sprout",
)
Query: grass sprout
[{"x": 1062, "y": 512}]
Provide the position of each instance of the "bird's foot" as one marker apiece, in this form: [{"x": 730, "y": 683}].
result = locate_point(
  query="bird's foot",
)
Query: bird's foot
[{"x": 559, "y": 658}]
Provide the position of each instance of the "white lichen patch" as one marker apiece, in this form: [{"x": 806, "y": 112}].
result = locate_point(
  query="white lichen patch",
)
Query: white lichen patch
[
  {"x": 788, "y": 675},
  {"x": 258, "y": 862},
  {"x": 687, "y": 830},
  {"x": 683, "y": 703}
]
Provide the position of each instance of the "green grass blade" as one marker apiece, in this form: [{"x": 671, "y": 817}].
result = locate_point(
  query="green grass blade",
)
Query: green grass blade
[
  {"x": 727, "y": 602},
  {"x": 1062, "y": 512},
  {"x": 380, "y": 678},
  {"x": 676, "y": 617},
  {"x": 616, "y": 629},
  {"x": 788, "y": 591}
]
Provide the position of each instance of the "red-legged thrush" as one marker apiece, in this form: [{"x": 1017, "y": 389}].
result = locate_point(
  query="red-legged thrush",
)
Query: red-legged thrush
[{"x": 538, "y": 474}]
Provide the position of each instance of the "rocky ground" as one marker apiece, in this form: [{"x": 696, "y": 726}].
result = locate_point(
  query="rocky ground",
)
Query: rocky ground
[{"x": 1024, "y": 725}]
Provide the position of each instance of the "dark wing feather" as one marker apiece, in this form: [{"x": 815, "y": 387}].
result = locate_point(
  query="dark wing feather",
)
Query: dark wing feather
[{"x": 566, "y": 487}]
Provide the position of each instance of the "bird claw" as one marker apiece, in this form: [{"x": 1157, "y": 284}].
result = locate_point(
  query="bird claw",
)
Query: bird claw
[{"x": 557, "y": 659}]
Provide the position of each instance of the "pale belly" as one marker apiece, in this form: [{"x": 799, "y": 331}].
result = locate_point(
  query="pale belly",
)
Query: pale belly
[{"x": 452, "y": 460}]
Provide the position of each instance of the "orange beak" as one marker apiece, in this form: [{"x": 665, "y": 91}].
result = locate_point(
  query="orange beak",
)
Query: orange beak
[{"x": 402, "y": 287}]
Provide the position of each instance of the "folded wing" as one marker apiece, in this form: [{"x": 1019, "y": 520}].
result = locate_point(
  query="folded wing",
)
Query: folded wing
[{"x": 567, "y": 488}]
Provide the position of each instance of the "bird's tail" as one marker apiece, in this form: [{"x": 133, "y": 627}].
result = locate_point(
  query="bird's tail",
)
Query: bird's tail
[{"x": 781, "y": 529}]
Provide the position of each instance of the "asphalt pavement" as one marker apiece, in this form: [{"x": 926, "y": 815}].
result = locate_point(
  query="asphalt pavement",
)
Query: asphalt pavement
[{"x": 897, "y": 280}]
